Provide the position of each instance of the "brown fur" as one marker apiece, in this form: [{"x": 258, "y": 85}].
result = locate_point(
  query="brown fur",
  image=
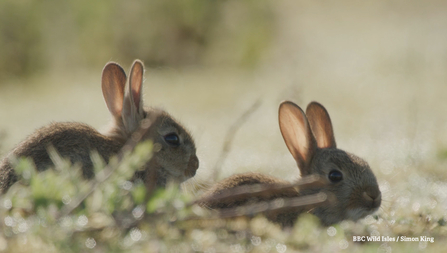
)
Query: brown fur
[
  {"x": 212, "y": 198},
  {"x": 76, "y": 141},
  {"x": 240, "y": 180},
  {"x": 73, "y": 141},
  {"x": 357, "y": 194}
]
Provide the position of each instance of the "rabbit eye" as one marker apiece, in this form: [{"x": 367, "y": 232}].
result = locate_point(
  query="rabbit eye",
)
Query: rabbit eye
[
  {"x": 335, "y": 176},
  {"x": 172, "y": 139}
]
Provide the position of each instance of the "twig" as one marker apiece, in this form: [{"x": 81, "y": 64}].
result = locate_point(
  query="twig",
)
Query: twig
[
  {"x": 3, "y": 136},
  {"x": 306, "y": 202},
  {"x": 244, "y": 191},
  {"x": 109, "y": 169},
  {"x": 229, "y": 137},
  {"x": 270, "y": 199},
  {"x": 275, "y": 205}
]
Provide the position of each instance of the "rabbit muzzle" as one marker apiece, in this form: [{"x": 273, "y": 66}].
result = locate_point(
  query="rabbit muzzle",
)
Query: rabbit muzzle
[
  {"x": 193, "y": 165},
  {"x": 373, "y": 198}
]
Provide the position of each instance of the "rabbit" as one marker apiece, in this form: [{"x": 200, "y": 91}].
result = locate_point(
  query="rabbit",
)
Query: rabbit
[
  {"x": 174, "y": 156},
  {"x": 311, "y": 142}
]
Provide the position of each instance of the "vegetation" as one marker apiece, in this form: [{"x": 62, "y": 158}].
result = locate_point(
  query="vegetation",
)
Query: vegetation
[
  {"x": 57, "y": 211},
  {"x": 49, "y": 35},
  {"x": 377, "y": 66}
]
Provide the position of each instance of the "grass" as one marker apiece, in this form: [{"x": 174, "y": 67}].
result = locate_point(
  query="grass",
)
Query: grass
[
  {"x": 379, "y": 69},
  {"x": 116, "y": 218}
]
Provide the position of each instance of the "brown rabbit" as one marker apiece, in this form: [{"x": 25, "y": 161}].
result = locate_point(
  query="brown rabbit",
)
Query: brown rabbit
[
  {"x": 311, "y": 142},
  {"x": 173, "y": 159}
]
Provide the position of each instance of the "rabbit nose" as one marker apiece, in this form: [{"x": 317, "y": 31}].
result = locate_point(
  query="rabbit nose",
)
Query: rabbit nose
[
  {"x": 193, "y": 165},
  {"x": 374, "y": 196}
]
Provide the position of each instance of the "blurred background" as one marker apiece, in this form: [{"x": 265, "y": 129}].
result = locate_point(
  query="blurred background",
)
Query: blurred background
[{"x": 379, "y": 67}]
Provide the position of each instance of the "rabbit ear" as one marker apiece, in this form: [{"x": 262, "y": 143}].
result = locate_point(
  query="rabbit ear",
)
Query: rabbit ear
[
  {"x": 113, "y": 82},
  {"x": 321, "y": 125},
  {"x": 133, "y": 99},
  {"x": 297, "y": 134},
  {"x": 136, "y": 83}
]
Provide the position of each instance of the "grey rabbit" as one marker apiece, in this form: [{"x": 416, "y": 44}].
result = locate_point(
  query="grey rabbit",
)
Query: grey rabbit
[
  {"x": 174, "y": 158},
  {"x": 310, "y": 140}
]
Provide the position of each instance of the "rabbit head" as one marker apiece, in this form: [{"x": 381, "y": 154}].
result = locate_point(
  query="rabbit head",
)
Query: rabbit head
[
  {"x": 174, "y": 153},
  {"x": 311, "y": 142}
]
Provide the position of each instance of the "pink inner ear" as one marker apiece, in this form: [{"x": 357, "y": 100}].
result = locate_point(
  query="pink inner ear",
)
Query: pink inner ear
[
  {"x": 113, "y": 83},
  {"x": 294, "y": 132},
  {"x": 115, "y": 104},
  {"x": 297, "y": 135},
  {"x": 136, "y": 82},
  {"x": 321, "y": 125},
  {"x": 136, "y": 97}
]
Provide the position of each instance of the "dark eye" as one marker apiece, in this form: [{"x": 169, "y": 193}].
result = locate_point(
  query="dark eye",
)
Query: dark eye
[
  {"x": 335, "y": 176},
  {"x": 172, "y": 139}
]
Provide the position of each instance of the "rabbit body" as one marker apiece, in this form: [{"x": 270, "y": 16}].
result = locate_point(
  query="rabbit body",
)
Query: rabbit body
[
  {"x": 173, "y": 159},
  {"x": 73, "y": 141},
  {"x": 311, "y": 142},
  {"x": 237, "y": 180},
  {"x": 245, "y": 179}
]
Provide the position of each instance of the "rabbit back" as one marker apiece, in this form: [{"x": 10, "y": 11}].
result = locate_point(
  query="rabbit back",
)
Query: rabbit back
[
  {"x": 229, "y": 194},
  {"x": 237, "y": 180},
  {"x": 73, "y": 141}
]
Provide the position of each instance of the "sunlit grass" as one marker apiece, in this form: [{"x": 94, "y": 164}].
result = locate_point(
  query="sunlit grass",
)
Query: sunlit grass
[
  {"x": 404, "y": 152},
  {"x": 378, "y": 68}
]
